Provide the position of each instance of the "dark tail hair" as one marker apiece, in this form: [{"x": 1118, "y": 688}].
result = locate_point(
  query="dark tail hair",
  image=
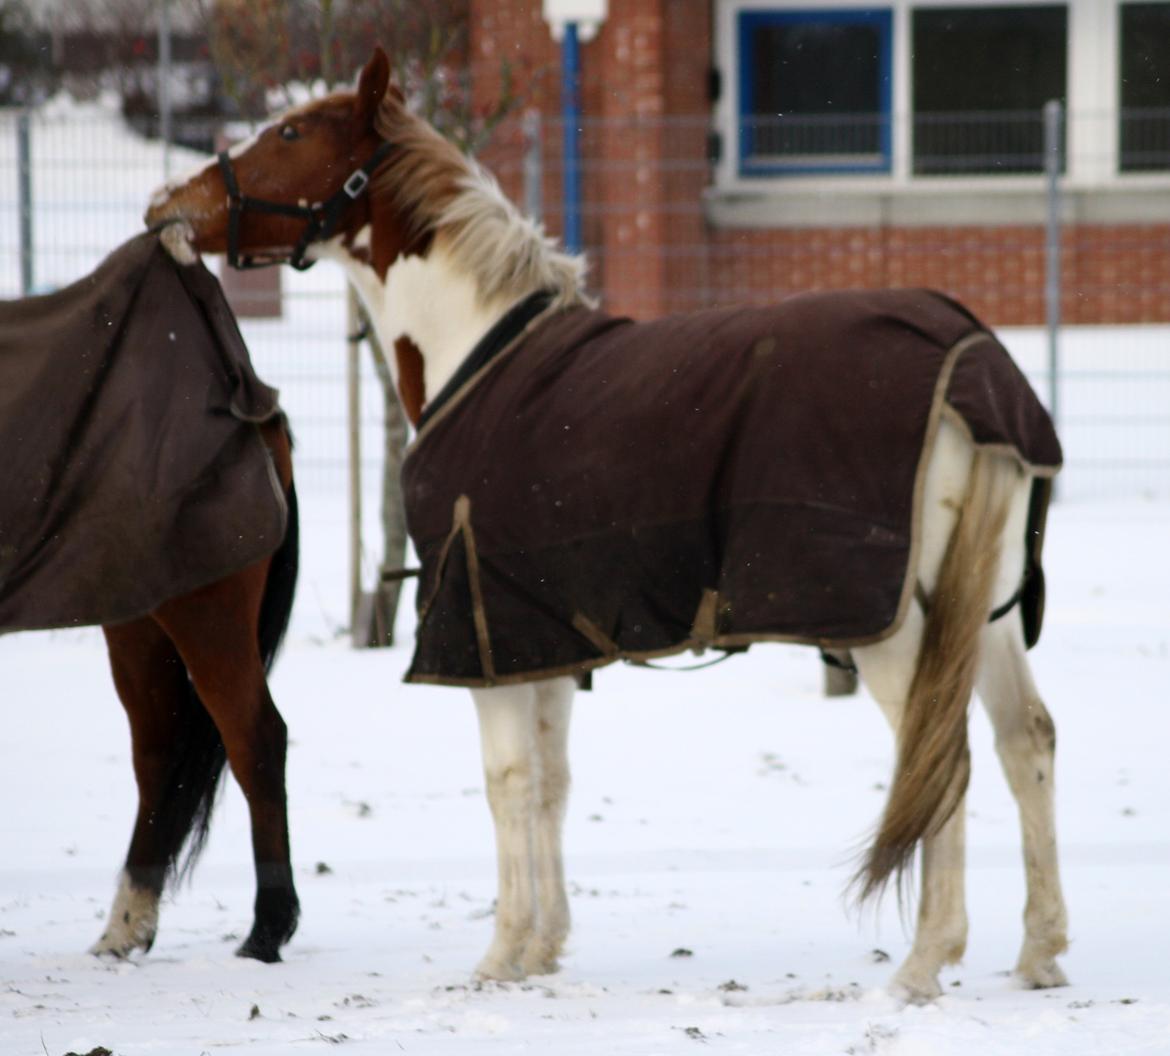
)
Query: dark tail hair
[
  {"x": 197, "y": 776},
  {"x": 276, "y": 608}
]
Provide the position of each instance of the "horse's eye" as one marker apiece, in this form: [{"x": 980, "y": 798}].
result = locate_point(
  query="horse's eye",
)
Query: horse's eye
[{"x": 289, "y": 132}]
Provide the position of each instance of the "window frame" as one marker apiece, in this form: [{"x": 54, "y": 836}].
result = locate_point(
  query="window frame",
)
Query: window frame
[
  {"x": 1000, "y": 123},
  {"x": 1122, "y": 171},
  {"x": 747, "y": 21}
]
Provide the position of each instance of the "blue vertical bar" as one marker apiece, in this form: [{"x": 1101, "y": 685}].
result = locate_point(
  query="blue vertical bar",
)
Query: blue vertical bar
[{"x": 571, "y": 120}]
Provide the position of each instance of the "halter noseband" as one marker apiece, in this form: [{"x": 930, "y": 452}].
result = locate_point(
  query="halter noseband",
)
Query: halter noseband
[{"x": 320, "y": 219}]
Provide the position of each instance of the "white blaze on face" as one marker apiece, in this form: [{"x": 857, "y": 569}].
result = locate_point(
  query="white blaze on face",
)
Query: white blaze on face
[
  {"x": 161, "y": 197},
  {"x": 244, "y": 145}
]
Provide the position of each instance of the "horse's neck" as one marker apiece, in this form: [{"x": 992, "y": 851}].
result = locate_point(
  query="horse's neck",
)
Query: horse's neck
[{"x": 431, "y": 301}]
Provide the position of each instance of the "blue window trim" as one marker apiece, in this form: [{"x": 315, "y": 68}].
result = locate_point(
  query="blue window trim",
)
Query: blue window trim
[{"x": 750, "y": 21}]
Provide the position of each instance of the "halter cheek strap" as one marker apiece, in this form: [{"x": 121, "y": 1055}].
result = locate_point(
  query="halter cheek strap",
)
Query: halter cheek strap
[{"x": 321, "y": 218}]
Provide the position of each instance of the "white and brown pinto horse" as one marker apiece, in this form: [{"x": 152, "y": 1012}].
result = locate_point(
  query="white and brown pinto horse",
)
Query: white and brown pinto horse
[{"x": 440, "y": 256}]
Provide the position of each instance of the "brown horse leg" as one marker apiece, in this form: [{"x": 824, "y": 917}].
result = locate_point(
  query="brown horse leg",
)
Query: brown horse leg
[
  {"x": 178, "y": 759},
  {"x": 215, "y": 630}
]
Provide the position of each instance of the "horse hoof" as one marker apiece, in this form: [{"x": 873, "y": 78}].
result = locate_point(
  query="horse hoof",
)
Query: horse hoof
[
  {"x": 915, "y": 989},
  {"x": 540, "y": 966},
  {"x": 121, "y": 943},
  {"x": 132, "y": 924},
  {"x": 119, "y": 951},
  {"x": 260, "y": 950},
  {"x": 493, "y": 971},
  {"x": 1041, "y": 975},
  {"x": 540, "y": 959}
]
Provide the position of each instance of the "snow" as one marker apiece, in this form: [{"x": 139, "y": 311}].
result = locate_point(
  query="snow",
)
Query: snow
[{"x": 716, "y": 812}]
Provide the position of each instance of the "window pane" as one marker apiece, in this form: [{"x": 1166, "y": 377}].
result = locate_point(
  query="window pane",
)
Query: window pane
[
  {"x": 1145, "y": 87},
  {"x": 981, "y": 78},
  {"x": 815, "y": 90}
]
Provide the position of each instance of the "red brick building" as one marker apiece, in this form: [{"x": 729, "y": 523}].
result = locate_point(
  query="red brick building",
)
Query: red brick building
[{"x": 740, "y": 150}]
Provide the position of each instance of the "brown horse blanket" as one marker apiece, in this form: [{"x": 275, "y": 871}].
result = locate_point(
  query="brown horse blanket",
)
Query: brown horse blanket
[
  {"x": 133, "y": 466},
  {"x": 607, "y": 489}
]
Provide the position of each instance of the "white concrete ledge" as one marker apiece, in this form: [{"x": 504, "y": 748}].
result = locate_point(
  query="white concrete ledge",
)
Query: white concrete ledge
[{"x": 933, "y": 203}]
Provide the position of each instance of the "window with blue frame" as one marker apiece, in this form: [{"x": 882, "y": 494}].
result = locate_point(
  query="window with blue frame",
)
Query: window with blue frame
[{"x": 814, "y": 91}]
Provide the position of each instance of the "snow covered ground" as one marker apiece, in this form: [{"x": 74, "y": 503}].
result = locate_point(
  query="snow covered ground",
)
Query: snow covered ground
[{"x": 713, "y": 812}]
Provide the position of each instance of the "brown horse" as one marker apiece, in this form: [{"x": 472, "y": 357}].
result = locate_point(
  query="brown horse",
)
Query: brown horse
[
  {"x": 192, "y": 677},
  {"x": 452, "y": 275},
  {"x": 157, "y": 500}
]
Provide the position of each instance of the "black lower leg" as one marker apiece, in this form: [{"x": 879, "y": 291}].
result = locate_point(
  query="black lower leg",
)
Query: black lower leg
[{"x": 277, "y": 911}]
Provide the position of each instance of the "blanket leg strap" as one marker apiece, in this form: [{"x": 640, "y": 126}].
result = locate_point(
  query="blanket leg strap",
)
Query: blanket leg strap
[
  {"x": 998, "y": 613},
  {"x": 841, "y": 661}
]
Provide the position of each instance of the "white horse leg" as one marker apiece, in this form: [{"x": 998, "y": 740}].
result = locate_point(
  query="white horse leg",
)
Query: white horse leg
[
  {"x": 887, "y": 669},
  {"x": 554, "y": 701},
  {"x": 511, "y": 765},
  {"x": 133, "y": 921},
  {"x": 941, "y": 935},
  {"x": 1025, "y": 738}
]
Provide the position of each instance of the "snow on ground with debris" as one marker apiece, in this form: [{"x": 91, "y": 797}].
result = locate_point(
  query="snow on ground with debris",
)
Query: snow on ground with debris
[{"x": 712, "y": 812}]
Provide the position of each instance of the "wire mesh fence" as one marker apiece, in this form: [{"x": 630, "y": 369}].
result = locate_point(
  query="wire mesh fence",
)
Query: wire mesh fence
[
  {"x": 673, "y": 223},
  {"x": 654, "y": 223},
  {"x": 90, "y": 182}
]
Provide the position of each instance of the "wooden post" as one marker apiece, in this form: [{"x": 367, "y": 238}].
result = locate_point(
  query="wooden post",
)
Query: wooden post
[
  {"x": 354, "y": 413},
  {"x": 374, "y": 611}
]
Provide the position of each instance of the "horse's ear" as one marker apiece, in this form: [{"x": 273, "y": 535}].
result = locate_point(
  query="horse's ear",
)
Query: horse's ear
[{"x": 373, "y": 83}]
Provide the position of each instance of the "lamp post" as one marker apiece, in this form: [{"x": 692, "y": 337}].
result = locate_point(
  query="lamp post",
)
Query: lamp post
[{"x": 572, "y": 22}]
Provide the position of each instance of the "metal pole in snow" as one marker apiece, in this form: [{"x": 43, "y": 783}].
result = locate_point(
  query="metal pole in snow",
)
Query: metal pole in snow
[
  {"x": 353, "y": 394},
  {"x": 24, "y": 192},
  {"x": 1053, "y": 119}
]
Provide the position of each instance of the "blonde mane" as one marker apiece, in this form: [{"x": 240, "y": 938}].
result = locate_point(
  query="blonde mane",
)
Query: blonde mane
[{"x": 439, "y": 190}]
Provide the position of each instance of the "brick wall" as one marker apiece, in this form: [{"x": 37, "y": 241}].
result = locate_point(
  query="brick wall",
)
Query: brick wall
[
  {"x": 1115, "y": 274},
  {"x": 645, "y": 109}
]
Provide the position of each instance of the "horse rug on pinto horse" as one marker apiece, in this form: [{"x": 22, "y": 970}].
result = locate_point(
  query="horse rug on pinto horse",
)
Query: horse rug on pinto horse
[
  {"x": 134, "y": 472},
  {"x": 590, "y": 488}
]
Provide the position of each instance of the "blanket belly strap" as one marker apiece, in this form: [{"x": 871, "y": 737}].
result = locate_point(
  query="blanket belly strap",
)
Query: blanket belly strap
[{"x": 585, "y": 627}]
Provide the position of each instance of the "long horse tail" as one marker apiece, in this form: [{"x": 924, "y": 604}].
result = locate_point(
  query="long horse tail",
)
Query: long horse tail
[
  {"x": 933, "y": 762},
  {"x": 196, "y": 778}
]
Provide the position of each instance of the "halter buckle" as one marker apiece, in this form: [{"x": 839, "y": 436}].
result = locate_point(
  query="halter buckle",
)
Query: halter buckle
[{"x": 356, "y": 184}]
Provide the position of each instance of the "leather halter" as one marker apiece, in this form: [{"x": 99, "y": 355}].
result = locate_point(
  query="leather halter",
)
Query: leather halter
[{"x": 321, "y": 218}]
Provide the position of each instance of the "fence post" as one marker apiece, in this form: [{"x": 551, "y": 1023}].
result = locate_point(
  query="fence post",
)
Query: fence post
[
  {"x": 1053, "y": 156},
  {"x": 375, "y": 626},
  {"x": 533, "y": 165},
  {"x": 353, "y": 414},
  {"x": 24, "y": 194}
]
